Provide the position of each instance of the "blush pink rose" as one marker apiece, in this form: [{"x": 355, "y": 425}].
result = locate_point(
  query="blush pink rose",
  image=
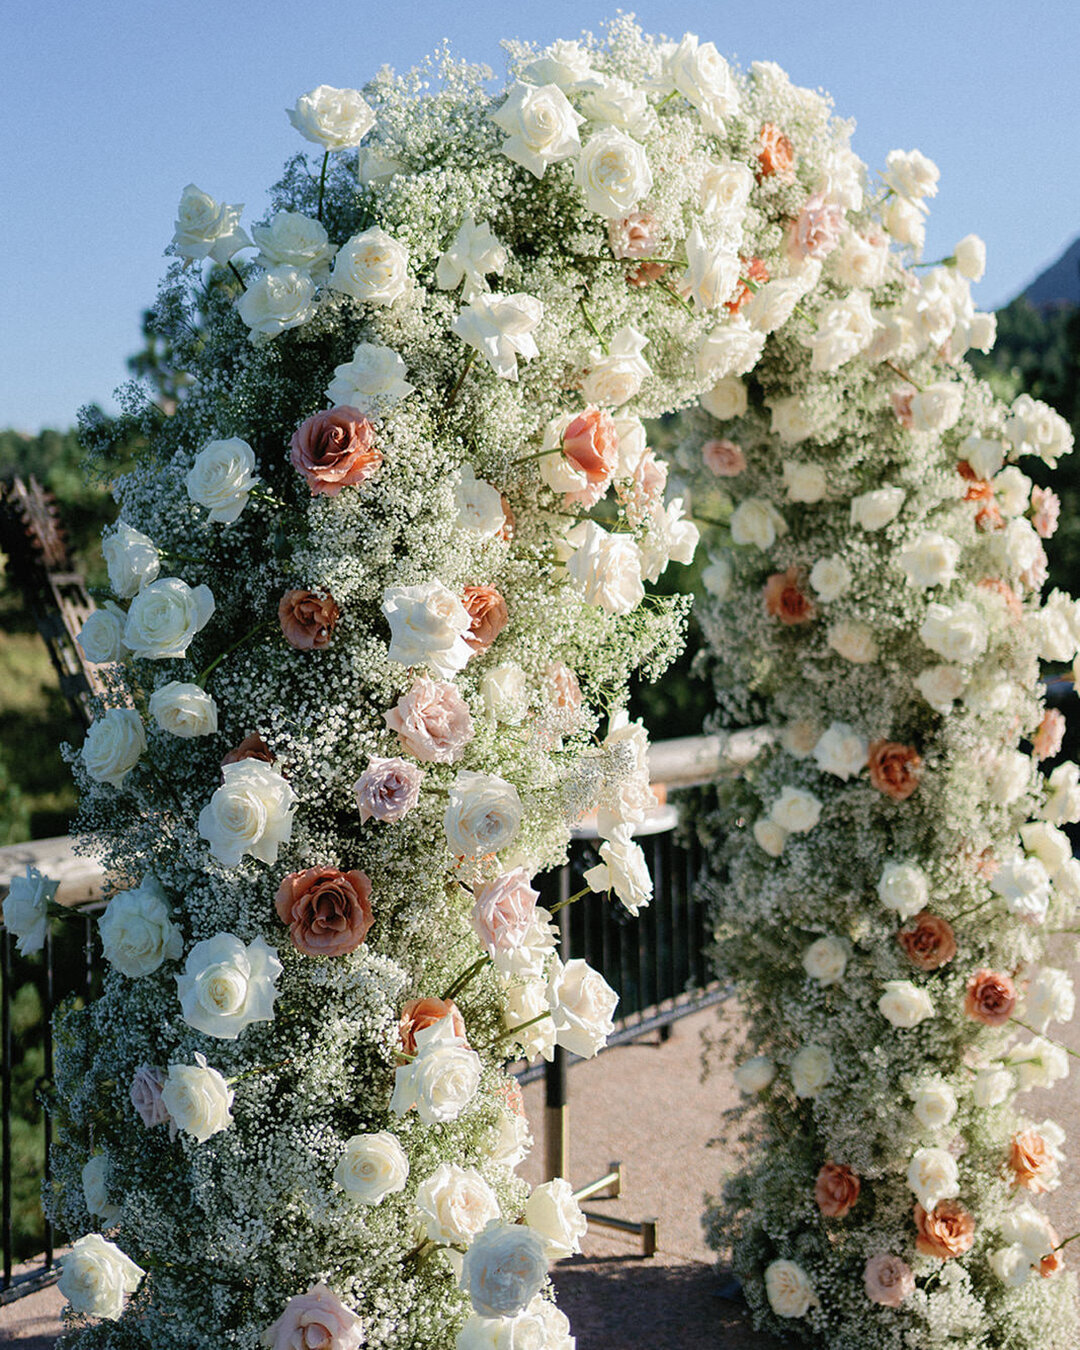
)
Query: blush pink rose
[
  {"x": 1002, "y": 588},
  {"x": 634, "y": 236},
  {"x": 723, "y": 458},
  {"x": 591, "y": 444},
  {"x": 317, "y": 1320},
  {"x": 146, "y": 1088},
  {"x": 563, "y": 688},
  {"x": 503, "y": 911},
  {"x": 328, "y": 911},
  {"x": 487, "y": 610},
  {"x": 420, "y": 1013},
  {"x": 1045, "y": 510},
  {"x": 947, "y": 1232},
  {"x": 388, "y": 789},
  {"x": 1031, "y": 1162},
  {"x": 817, "y": 231},
  {"x": 334, "y": 449},
  {"x": 432, "y": 722},
  {"x": 1046, "y": 742},
  {"x": 888, "y": 1280}
]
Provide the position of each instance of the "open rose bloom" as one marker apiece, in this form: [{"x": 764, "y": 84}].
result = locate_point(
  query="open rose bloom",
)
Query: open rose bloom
[
  {"x": 317, "y": 1320},
  {"x": 334, "y": 450},
  {"x": 328, "y": 911}
]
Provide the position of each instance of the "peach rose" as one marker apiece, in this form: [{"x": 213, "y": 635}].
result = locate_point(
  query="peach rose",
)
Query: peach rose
[
  {"x": 755, "y": 270},
  {"x": 836, "y": 1190},
  {"x": 634, "y": 236},
  {"x": 723, "y": 458},
  {"x": 990, "y": 998},
  {"x": 506, "y": 530},
  {"x": 895, "y": 769},
  {"x": 487, "y": 610},
  {"x": 1045, "y": 510},
  {"x": 419, "y": 1013},
  {"x": 775, "y": 154},
  {"x": 328, "y": 911},
  {"x": 563, "y": 688},
  {"x": 251, "y": 747},
  {"x": 1053, "y": 1261},
  {"x": 334, "y": 449},
  {"x": 645, "y": 273},
  {"x": 1046, "y": 742},
  {"x": 1032, "y": 1163},
  {"x": 308, "y": 619},
  {"x": 591, "y": 444},
  {"x": 432, "y": 721},
  {"x": 888, "y": 1280},
  {"x": 928, "y": 941},
  {"x": 784, "y": 600},
  {"x": 817, "y": 231},
  {"x": 948, "y": 1231},
  {"x": 1002, "y": 588},
  {"x": 981, "y": 491}
]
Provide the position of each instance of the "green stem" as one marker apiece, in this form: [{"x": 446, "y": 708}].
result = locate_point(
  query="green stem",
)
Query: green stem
[
  {"x": 1044, "y": 1037},
  {"x": 590, "y": 323},
  {"x": 451, "y": 398},
  {"x": 181, "y": 557},
  {"x": 164, "y": 782},
  {"x": 562, "y": 904},
  {"x": 464, "y": 978},
  {"x": 200, "y": 680},
  {"x": 258, "y": 1069},
  {"x": 903, "y": 375},
  {"x": 973, "y": 909},
  {"x": 265, "y": 495},
  {"x": 1065, "y": 1241},
  {"x": 710, "y": 520},
  {"x": 540, "y": 454},
  {"x": 513, "y": 1031},
  {"x": 236, "y": 273},
  {"x": 669, "y": 289},
  {"x": 322, "y": 184},
  {"x": 667, "y": 99}
]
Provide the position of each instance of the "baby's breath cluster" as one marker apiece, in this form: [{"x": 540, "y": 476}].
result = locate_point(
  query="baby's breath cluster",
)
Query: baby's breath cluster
[{"x": 892, "y": 886}]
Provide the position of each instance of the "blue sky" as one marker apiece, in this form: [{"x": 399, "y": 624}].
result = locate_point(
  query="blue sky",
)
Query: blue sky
[{"x": 112, "y": 107}]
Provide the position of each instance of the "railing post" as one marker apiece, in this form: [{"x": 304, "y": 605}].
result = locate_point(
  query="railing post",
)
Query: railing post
[
  {"x": 5, "y": 1103},
  {"x": 556, "y": 1105}
]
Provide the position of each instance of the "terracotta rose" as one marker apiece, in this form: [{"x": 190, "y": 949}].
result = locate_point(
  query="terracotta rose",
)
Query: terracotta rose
[
  {"x": 328, "y": 911},
  {"x": 784, "y": 600},
  {"x": 308, "y": 619},
  {"x": 928, "y": 941},
  {"x": 990, "y": 998},
  {"x": 776, "y": 154},
  {"x": 487, "y": 610},
  {"x": 895, "y": 769},
  {"x": 836, "y": 1190},
  {"x": 756, "y": 270},
  {"x": 334, "y": 449},
  {"x": 949, "y": 1231},
  {"x": 419, "y": 1013},
  {"x": 251, "y": 747}
]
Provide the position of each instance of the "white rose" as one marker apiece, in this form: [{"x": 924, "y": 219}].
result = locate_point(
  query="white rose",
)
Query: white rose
[
  {"x": 938, "y": 407},
  {"x": 804, "y": 482},
  {"x": 136, "y": 932},
  {"x": 96, "y": 1277},
  {"x": 1024, "y": 885},
  {"x": 164, "y": 618},
  {"x": 552, "y": 1212},
  {"x": 96, "y": 1191},
  {"x": 842, "y": 751},
  {"x": 618, "y": 103},
  {"x": 1050, "y": 845},
  {"x": 623, "y": 869},
  {"x": 505, "y": 691},
  {"x": 428, "y": 624},
  {"x": 132, "y": 560},
  {"x": 826, "y": 960},
  {"x": 845, "y": 328},
  {"x": 441, "y": 1080},
  {"x": 373, "y": 380},
  {"x": 930, "y": 560},
  {"x": 853, "y": 641},
  {"x": 992, "y": 1087},
  {"x": 512, "y": 1138},
  {"x": 770, "y": 307},
  {"x": 294, "y": 240},
  {"x": 565, "y": 64},
  {"x": 800, "y": 737},
  {"x": 582, "y": 1004},
  {"x": 979, "y": 331},
  {"x": 1049, "y": 997},
  {"x": 970, "y": 256},
  {"x": 528, "y": 956},
  {"x": 615, "y": 376},
  {"x": 788, "y": 1289},
  {"x": 523, "y": 1003},
  {"x": 372, "y": 1167},
  {"x": 478, "y": 505},
  {"x": 795, "y": 810},
  {"x": 770, "y": 836},
  {"x": 613, "y": 172},
  {"x": 483, "y": 815},
  {"x": 670, "y": 537},
  {"x": 606, "y": 568},
  {"x": 754, "y": 1075},
  {"x": 26, "y": 909},
  {"x": 282, "y": 298},
  {"x": 1067, "y": 881},
  {"x": 904, "y": 221},
  {"x": 830, "y": 578},
  {"x": 1012, "y": 490},
  {"x": 811, "y": 1070},
  {"x": 933, "y": 1176},
  {"x": 221, "y": 479},
  {"x": 113, "y": 745},
  {"x": 874, "y": 510},
  {"x": 540, "y": 124},
  {"x": 206, "y": 228},
  {"x": 336, "y": 119},
  {"x": 725, "y": 190},
  {"x": 474, "y": 254},
  {"x": 904, "y": 1004},
  {"x": 985, "y": 456},
  {"x": 197, "y": 1099},
  {"x": 941, "y": 686},
  {"x": 792, "y": 420},
  {"x": 633, "y": 444},
  {"x": 371, "y": 267},
  {"x": 252, "y": 812},
  {"x": 1030, "y": 1231},
  {"x": 858, "y": 262},
  {"x": 1038, "y": 1063},
  {"x": 731, "y": 349},
  {"x": 102, "y": 635},
  {"x": 955, "y": 632},
  {"x": 726, "y": 399},
  {"x": 455, "y": 1203},
  {"x": 374, "y": 165},
  {"x": 226, "y": 986},
  {"x": 500, "y": 327},
  {"x": 185, "y": 710},
  {"x": 756, "y": 522},
  {"x": 504, "y": 1269},
  {"x": 698, "y": 71},
  {"x": 1009, "y": 776},
  {"x": 933, "y": 1103},
  {"x": 912, "y": 175},
  {"x": 712, "y": 271},
  {"x": 1062, "y": 805},
  {"x": 904, "y": 887},
  {"x": 1035, "y": 429},
  {"x": 716, "y": 578}
]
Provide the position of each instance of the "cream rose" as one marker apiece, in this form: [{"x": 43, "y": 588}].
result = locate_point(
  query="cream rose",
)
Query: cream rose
[
  {"x": 830, "y": 578},
  {"x": 613, "y": 172},
  {"x": 474, "y": 254},
  {"x": 226, "y": 986},
  {"x": 483, "y": 814},
  {"x": 524, "y": 1003},
  {"x": 796, "y": 810},
  {"x": 113, "y": 745},
  {"x": 222, "y": 477},
  {"x": 788, "y": 1289},
  {"x": 712, "y": 271},
  {"x": 505, "y": 691},
  {"x": 500, "y": 327},
  {"x": 372, "y": 1167},
  {"x": 844, "y": 329},
  {"x": 616, "y": 376},
  {"x": 132, "y": 560},
  {"x": 552, "y": 1212},
  {"x": 930, "y": 560},
  {"x": 184, "y": 710},
  {"x": 455, "y": 1203},
  {"x": 904, "y": 888},
  {"x": 852, "y": 640},
  {"x": 904, "y": 1004},
  {"x": 731, "y": 349},
  {"x": 102, "y": 635},
  {"x": 791, "y": 419},
  {"x": 582, "y": 1004},
  {"x": 206, "y": 228},
  {"x": 826, "y": 960},
  {"x": 1062, "y": 805},
  {"x": 280, "y": 299},
  {"x": 96, "y": 1190},
  {"x": 373, "y": 380},
  {"x": 623, "y": 869},
  {"x": 441, "y": 1080},
  {"x": 164, "y": 618},
  {"x": 804, "y": 482},
  {"x": 933, "y": 1103},
  {"x": 933, "y": 1176},
  {"x": 726, "y": 399},
  {"x": 941, "y": 686},
  {"x": 754, "y": 1075},
  {"x": 606, "y": 568},
  {"x": 841, "y": 751},
  {"x": 26, "y": 909},
  {"x": 725, "y": 190},
  {"x": 957, "y": 633},
  {"x": 136, "y": 932},
  {"x": 428, "y": 624},
  {"x": 252, "y": 812},
  {"x": 197, "y": 1099},
  {"x": 96, "y": 1277},
  {"x": 336, "y": 119},
  {"x": 294, "y": 240},
  {"x": 811, "y": 1070},
  {"x": 874, "y": 510},
  {"x": 541, "y": 126},
  {"x": 756, "y": 522},
  {"x": 371, "y": 267},
  {"x": 769, "y": 836}
]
